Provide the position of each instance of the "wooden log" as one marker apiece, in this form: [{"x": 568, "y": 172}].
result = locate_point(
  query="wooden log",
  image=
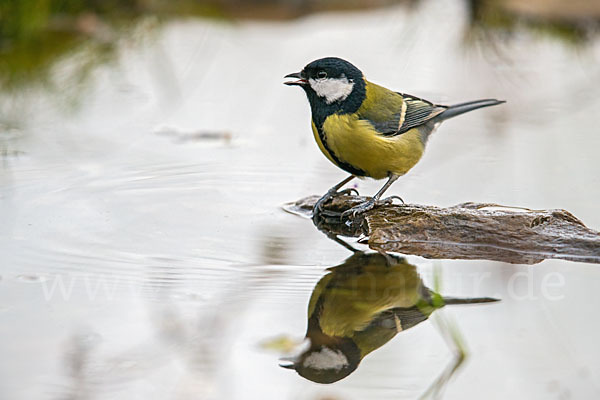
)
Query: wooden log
[{"x": 466, "y": 231}]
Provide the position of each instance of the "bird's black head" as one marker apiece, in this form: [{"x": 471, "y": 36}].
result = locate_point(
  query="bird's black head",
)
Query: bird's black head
[
  {"x": 332, "y": 85},
  {"x": 327, "y": 364}
]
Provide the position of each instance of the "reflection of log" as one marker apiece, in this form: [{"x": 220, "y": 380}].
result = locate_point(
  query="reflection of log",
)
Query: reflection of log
[{"x": 466, "y": 231}]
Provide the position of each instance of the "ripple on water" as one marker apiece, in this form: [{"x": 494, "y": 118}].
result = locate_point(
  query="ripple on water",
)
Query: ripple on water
[{"x": 31, "y": 278}]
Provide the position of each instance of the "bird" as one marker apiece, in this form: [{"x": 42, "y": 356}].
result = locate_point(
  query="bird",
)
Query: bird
[
  {"x": 359, "y": 306},
  {"x": 366, "y": 129}
]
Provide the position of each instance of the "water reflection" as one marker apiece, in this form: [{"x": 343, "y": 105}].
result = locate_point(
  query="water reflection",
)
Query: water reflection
[
  {"x": 171, "y": 240},
  {"x": 360, "y": 305}
]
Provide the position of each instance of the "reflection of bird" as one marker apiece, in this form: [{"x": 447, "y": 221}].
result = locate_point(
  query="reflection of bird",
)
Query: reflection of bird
[
  {"x": 366, "y": 129},
  {"x": 358, "y": 307}
]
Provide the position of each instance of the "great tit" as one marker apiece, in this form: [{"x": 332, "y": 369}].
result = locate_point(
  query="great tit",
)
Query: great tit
[
  {"x": 366, "y": 129},
  {"x": 358, "y": 307}
]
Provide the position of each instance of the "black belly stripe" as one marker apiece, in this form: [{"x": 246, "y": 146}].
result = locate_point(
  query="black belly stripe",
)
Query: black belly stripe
[{"x": 342, "y": 164}]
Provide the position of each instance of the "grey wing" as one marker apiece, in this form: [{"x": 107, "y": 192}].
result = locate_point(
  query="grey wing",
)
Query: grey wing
[
  {"x": 409, "y": 317},
  {"x": 399, "y": 319},
  {"x": 388, "y": 127},
  {"x": 415, "y": 112}
]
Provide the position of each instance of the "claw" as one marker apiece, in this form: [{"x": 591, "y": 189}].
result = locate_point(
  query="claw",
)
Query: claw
[
  {"x": 359, "y": 209},
  {"x": 318, "y": 207},
  {"x": 390, "y": 200},
  {"x": 368, "y": 205},
  {"x": 328, "y": 213},
  {"x": 347, "y": 192}
]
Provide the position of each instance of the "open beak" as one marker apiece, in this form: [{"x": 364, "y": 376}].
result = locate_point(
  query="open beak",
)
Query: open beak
[{"x": 297, "y": 75}]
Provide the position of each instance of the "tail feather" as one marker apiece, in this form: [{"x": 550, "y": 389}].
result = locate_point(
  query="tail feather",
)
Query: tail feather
[
  {"x": 474, "y": 300},
  {"x": 458, "y": 109}
]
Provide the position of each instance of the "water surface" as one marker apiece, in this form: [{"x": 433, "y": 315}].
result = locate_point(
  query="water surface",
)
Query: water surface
[{"x": 144, "y": 259}]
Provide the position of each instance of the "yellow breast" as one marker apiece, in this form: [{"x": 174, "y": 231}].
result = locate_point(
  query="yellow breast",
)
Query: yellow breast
[{"x": 355, "y": 142}]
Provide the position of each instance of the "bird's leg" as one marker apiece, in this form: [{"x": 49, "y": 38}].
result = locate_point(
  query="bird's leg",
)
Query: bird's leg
[
  {"x": 337, "y": 239},
  {"x": 368, "y": 205},
  {"x": 451, "y": 334},
  {"x": 331, "y": 193}
]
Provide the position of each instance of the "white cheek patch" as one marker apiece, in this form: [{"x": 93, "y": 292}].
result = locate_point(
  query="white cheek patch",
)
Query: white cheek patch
[
  {"x": 332, "y": 89},
  {"x": 326, "y": 359}
]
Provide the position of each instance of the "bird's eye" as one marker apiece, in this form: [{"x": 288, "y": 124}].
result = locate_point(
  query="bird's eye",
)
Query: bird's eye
[{"x": 322, "y": 74}]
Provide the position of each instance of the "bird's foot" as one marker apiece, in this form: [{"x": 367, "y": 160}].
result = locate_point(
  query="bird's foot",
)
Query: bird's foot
[
  {"x": 330, "y": 195},
  {"x": 359, "y": 209},
  {"x": 355, "y": 211}
]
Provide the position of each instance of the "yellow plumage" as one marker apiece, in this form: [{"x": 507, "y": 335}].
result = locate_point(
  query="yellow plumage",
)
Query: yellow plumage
[
  {"x": 355, "y": 141},
  {"x": 356, "y": 298},
  {"x": 366, "y": 129},
  {"x": 380, "y": 103}
]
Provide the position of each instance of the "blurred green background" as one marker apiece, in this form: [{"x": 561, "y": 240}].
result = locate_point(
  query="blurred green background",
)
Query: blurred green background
[{"x": 35, "y": 34}]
